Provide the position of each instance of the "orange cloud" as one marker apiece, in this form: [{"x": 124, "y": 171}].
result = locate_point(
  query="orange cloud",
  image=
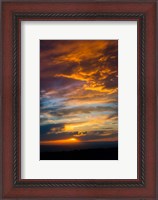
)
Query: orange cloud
[
  {"x": 100, "y": 89},
  {"x": 72, "y": 76},
  {"x": 92, "y": 123}
]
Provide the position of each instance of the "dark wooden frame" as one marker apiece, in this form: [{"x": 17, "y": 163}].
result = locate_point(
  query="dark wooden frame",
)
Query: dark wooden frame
[{"x": 145, "y": 185}]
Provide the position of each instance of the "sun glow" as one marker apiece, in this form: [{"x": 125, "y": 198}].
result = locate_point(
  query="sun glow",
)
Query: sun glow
[
  {"x": 73, "y": 139},
  {"x": 61, "y": 142}
]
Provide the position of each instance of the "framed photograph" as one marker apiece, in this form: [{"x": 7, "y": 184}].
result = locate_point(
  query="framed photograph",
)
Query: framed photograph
[{"x": 79, "y": 100}]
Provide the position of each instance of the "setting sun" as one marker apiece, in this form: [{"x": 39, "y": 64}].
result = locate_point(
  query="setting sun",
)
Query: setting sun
[{"x": 73, "y": 139}]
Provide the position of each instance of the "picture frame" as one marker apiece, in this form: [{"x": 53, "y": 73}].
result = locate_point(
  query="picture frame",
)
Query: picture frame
[{"x": 13, "y": 186}]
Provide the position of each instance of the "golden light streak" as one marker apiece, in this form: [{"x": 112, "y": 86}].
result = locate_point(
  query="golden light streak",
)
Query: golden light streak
[
  {"x": 73, "y": 141},
  {"x": 61, "y": 142},
  {"x": 100, "y": 89}
]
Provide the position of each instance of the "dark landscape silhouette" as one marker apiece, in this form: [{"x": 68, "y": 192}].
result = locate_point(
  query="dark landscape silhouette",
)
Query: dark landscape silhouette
[{"x": 109, "y": 152}]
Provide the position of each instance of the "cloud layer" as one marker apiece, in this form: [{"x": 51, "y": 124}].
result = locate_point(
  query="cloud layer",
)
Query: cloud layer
[{"x": 79, "y": 90}]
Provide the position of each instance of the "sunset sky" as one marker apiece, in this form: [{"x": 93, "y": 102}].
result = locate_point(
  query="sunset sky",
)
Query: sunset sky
[{"x": 78, "y": 91}]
